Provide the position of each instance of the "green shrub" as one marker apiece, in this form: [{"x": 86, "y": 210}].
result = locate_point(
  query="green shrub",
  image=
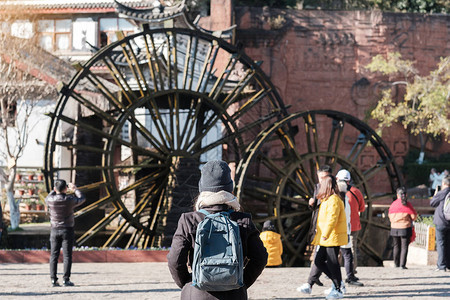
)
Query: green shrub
[
  {"x": 416, "y": 174},
  {"x": 425, "y": 220}
]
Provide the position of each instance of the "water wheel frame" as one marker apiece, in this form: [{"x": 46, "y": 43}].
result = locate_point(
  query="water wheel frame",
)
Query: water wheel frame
[
  {"x": 147, "y": 70},
  {"x": 298, "y": 170}
]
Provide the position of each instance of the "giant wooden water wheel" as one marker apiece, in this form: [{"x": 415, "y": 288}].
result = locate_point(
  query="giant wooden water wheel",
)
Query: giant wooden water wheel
[
  {"x": 166, "y": 98},
  {"x": 277, "y": 176}
]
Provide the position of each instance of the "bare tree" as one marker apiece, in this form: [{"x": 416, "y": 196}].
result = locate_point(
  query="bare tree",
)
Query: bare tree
[{"x": 21, "y": 92}]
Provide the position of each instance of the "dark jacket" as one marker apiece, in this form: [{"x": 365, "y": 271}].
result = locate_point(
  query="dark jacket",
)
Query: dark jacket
[
  {"x": 438, "y": 202},
  {"x": 182, "y": 250},
  {"x": 60, "y": 207},
  {"x": 315, "y": 212}
]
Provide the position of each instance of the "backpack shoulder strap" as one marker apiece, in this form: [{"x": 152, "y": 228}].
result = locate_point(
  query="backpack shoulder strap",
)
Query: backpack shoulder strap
[
  {"x": 357, "y": 200},
  {"x": 204, "y": 211}
]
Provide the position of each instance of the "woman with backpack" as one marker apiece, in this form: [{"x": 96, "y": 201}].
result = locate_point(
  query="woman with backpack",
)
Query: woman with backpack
[
  {"x": 331, "y": 233},
  {"x": 215, "y": 201},
  {"x": 401, "y": 215}
]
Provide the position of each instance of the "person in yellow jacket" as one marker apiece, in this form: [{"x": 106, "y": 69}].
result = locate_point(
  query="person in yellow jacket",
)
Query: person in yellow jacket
[
  {"x": 272, "y": 241},
  {"x": 331, "y": 233}
]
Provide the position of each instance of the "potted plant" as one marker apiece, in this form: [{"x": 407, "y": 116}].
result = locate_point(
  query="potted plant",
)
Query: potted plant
[
  {"x": 28, "y": 203},
  {"x": 21, "y": 189},
  {"x": 39, "y": 205},
  {"x": 30, "y": 176},
  {"x": 40, "y": 177},
  {"x": 30, "y": 190}
]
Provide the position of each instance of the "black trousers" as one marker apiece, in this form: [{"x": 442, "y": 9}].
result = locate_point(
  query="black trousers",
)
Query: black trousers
[
  {"x": 400, "y": 251},
  {"x": 326, "y": 260},
  {"x": 347, "y": 255},
  {"x": 61, "y": 237}
]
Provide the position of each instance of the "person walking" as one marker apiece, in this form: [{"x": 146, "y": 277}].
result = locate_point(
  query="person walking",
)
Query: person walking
[
  {"x": 314, "y": 205},
  {"x": 357, "y": 205},
  {"x": 442, "y": 226},
  {"x": 433, "y": 178},
  {"x": 331, "y": 233},
  {"x": 272, "y": 242},
  {"x": 216, "y": 187},
  {"x": 401, "y": 215},
  {"x": 61, "y": 207}
]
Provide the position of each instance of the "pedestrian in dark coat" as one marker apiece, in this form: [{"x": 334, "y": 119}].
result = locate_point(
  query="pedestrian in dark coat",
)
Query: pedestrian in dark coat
[
  {"x": 61, "y": 208},
  {"x": 442, "y": 226},
  {"x": 215, "y": 188}
]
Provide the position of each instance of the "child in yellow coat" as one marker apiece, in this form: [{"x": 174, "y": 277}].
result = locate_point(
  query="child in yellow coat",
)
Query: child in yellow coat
[{"x": 272, "y": 242}]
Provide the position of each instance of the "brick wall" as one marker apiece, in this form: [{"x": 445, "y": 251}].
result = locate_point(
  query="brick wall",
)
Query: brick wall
[{"x": 317, "y": 59}]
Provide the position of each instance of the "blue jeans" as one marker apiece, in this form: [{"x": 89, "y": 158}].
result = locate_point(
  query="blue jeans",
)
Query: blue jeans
[
  {"x": 61, "y": 237},
  {"x": 443, "y": 247}
]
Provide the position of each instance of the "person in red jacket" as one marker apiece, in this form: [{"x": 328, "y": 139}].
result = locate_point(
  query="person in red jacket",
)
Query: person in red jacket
[
  {"x": 401, "y": 215},
  {"x": 357, "y": 205}
]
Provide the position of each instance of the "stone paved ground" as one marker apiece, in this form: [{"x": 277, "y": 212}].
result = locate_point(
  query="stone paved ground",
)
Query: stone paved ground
[{"x": 153, "y": 281}]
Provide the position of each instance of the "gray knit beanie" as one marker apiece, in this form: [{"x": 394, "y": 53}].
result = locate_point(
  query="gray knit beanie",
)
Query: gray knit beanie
[{"x": 216, "y": 177}]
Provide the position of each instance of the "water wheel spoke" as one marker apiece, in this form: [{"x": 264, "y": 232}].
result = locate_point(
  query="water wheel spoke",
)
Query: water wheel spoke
[
  {"x": 101, "y": 133},
  {"x": 192, "y": 116},
  {"x": 334, "y": 142},
  {"x": 299, "y": 189},
  {"x": 153, "y": 54},
  {"x": 294, "y": 214},
  {"x": 235, "y": 93},
  {"x": 197, "y": 139},
  {"x": 171, "y": 51},
  {"x": 312, "y": 141},
  {"x": 192, "y": 64},
  {"x": 211, "y": 69},
  {"x": 250, "y": 103},
  {"x": 93, "y": 186},
  {"x": 358, "y": 148},
  {"x": 204, "y": 67},
  {"x": 224, "y": 140},
  {"x": 98, "y": 226},
  {"x": 171, "y": 101},
  {"x": 94, "y": 108},
  {"x": 187, "y": 59},
  {"x": 146, "y": 179},
  {"x": 220, "y": 82},
  {"x": 93, "y": 206},
  {"x": 120, "y": 81},
  {"x": 135, "y": 238},
  {"x": 152, "y": 192},
  {"x": 177, "y": 120},
  {"x": 374, "y": 170},
  {"x": 71, "y": 146},
  {"x": 117, "y": 234},
  {"x": 135, "y": 67},
  {"x": 162, "y": 148},
  {"x": 260, "y": 193}
]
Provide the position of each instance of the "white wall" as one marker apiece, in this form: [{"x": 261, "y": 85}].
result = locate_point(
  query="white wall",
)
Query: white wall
[{"x": 33, "y": 155}]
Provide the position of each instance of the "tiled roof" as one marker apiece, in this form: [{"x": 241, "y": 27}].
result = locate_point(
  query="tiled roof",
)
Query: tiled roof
[
  {"x": 153, "y": 13},
  {"x": 76, "y": 4}
]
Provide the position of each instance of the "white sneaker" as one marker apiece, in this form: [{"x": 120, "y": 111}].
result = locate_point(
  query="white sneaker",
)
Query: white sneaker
[
  {"x": 343, "y": 289},
  {"x": 305, "y": 288},
  {"x": 335, "y": 294}
]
